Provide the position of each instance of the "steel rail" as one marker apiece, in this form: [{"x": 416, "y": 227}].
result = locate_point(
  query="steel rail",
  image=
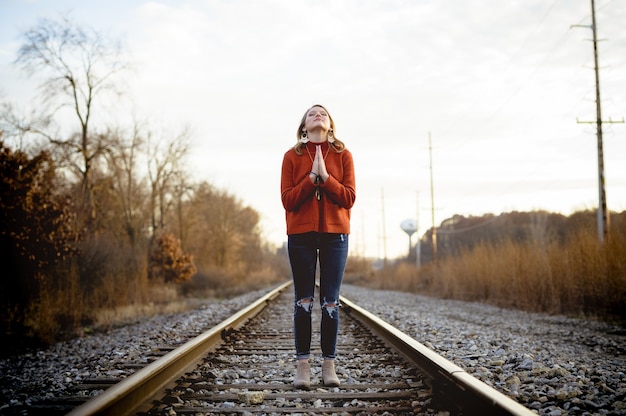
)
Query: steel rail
[
  {"x": 448, "y": 379},
  {"x": 129, "y": 394},
  {"x": 475, "y": 396}
]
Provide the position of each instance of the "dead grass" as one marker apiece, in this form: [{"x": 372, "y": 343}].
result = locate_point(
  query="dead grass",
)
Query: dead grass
[
  {"x": 64, "y": 310},
  {"x": 582, "y": 277},
  {"x": 107, "y": 318}
]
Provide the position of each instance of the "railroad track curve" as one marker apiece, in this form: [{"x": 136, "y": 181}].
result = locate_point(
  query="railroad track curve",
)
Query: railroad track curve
[{"x": 245, "y": 366}]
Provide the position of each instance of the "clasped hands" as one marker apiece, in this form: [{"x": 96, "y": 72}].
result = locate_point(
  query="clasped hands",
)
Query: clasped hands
[{"x": 319, "y": 166}]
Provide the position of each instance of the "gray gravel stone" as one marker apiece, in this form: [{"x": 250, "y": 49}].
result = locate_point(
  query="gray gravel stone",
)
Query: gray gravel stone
[{"x": 554, "y": 365}]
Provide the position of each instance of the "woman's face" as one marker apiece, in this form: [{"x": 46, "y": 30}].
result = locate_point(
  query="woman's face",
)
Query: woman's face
[{"x": 318, "y": 118}]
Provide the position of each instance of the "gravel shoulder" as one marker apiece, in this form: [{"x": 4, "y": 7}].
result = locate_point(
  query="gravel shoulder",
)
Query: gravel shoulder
[{"x": 553, "y": 364}]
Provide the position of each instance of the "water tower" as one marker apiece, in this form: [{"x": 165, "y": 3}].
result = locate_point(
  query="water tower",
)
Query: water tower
[{"x": 409, "y": 226}]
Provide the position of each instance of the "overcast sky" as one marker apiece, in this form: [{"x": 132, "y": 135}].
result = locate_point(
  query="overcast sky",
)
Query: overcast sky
[{"x": 497, "y": 84}]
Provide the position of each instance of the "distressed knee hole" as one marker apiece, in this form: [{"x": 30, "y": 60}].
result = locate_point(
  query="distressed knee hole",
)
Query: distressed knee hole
[
  {"x": 332, "y": 308},
  {"x": 306, "y": 304}
]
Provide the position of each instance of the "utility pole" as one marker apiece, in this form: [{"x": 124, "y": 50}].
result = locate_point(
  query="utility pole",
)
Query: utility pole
[
  {"x": 603, "y": 212},
  {"x": 432, "y": 200},
  {"x": 382, "y": 199}
]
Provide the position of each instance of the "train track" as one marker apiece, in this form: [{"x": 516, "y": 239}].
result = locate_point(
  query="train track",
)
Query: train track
[{"x": 245, "y": 365}]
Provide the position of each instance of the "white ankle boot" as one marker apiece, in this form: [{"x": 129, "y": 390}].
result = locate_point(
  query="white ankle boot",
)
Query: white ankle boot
[
  {"x": 328, "y": 374},
  {"x": 303, "y": 376}
]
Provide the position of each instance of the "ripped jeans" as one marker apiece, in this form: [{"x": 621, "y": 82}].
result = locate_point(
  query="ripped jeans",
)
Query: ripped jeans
[{"x": 303, "y": 255}]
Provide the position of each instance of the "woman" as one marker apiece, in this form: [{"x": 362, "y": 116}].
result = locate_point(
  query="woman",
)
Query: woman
[{"x": 317, "y": 191}]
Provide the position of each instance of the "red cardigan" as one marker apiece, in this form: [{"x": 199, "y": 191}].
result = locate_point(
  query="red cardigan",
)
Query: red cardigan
[{"x": 304, "y": 213}]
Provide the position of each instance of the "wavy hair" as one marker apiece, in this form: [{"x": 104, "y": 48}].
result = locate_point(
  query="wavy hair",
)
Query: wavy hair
[{"x": 337, "y": 145}]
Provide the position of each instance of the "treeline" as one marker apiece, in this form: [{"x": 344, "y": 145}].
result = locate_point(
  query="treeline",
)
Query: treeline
[
  {"x": 534, "y": 261},
  {"x": 62, "y": 268},
  {"x": 460, "y": 234},
  {"x": 98, "y": 214}
]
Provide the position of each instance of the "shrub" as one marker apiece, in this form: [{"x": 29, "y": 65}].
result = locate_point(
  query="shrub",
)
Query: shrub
[{"x": 168, "y": 262}]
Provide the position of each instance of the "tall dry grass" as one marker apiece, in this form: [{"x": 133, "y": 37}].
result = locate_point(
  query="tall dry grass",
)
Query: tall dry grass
[
  {"x": 59, "y": 305},
  {"x": 581, "y": 277},
  {"x": 109, "y": 285}
]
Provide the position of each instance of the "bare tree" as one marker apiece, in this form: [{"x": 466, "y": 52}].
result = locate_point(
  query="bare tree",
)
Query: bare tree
[
  {"x": 79, "y": 65},
  {"x": 165, "y": 171},
  {"x": 226, "y": 233},
  {"x": 182, "y": 192},
  {"x": 123, "y": 163},
  {"x": 18, "y": 128}
]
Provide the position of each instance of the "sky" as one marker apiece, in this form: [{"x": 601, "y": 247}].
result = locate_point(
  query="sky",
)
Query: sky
[{"x": 486, "y": 100}]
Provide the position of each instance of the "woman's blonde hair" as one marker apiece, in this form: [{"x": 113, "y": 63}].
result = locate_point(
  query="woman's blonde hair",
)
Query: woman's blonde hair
[{"x": 336, "y": 144}]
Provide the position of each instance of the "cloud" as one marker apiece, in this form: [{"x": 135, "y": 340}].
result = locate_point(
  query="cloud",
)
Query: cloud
[{"x": 499, "y": 84}]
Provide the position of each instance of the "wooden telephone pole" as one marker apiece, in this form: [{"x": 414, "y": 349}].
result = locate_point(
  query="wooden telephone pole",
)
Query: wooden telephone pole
[{"x": 603, "y": 212}]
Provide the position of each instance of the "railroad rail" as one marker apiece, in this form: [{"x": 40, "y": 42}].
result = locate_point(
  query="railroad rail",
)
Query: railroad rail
[{"x": 245, "y": 366}]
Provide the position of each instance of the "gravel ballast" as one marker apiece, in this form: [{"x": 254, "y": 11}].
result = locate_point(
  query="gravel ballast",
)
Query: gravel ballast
[{"x": 551, "y": 364}]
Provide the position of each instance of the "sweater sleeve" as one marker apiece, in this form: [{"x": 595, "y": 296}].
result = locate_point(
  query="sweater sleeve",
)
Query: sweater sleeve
[
  {"x": 293, "y": 192},
  {"x": 342, "y": 193}
]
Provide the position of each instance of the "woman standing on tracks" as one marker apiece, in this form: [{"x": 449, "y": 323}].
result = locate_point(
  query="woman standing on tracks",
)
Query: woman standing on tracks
[{"x": 317, "y": 191}]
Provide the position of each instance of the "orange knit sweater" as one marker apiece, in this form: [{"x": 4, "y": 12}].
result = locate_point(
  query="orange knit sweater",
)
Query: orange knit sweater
[{"x": 304, "y": 213}]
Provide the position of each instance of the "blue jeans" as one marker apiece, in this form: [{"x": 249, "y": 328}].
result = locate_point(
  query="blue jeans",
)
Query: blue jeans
[{"x": 303, "y": 255}]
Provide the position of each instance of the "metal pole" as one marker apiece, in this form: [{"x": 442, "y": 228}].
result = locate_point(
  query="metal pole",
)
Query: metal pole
[
  {"x": 382, "y": 200},
  {"x": 603, "y": 214},
  {"x": 432, "y": 200}
]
